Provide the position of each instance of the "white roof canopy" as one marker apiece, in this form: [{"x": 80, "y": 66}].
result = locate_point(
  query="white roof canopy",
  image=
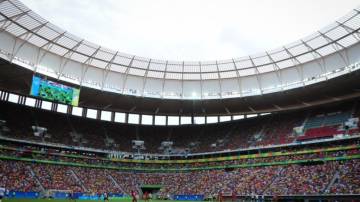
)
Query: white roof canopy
[{"x": 23, "y": 23}]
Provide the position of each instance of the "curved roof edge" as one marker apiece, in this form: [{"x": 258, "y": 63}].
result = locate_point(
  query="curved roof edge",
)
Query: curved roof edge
[
  {"x": 21, "y": 21},
  {"x": 326, "y": 54}
]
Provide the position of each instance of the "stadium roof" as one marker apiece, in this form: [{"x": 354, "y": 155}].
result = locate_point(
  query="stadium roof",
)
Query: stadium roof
[
  {"x": 34, "y": 43},
  {"x": 23, "y": 23}
]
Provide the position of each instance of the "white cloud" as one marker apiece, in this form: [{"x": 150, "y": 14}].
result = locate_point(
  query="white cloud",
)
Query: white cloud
[{"x": 188, "y": 29}]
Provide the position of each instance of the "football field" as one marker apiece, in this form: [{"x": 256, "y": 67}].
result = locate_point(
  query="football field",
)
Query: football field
[{"x": 67, "y": 200}]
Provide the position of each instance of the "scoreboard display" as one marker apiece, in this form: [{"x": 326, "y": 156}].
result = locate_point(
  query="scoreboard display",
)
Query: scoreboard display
[{"x": 53, "y": 91}]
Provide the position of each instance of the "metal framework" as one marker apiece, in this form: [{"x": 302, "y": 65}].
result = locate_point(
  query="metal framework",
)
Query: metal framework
[{"x": 29, "y": 28}]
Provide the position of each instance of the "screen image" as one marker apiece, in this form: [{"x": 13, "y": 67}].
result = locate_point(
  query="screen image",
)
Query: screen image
[{"x": 54, "y": 91}]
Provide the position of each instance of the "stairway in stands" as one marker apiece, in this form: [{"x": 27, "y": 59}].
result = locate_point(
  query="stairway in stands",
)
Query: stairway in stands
[
  {"x": 73, "y": 174},
  {"x": 36, "y": 179},
  {"x": 114, "y": 181},
  {"x": 333, "y": 180}
]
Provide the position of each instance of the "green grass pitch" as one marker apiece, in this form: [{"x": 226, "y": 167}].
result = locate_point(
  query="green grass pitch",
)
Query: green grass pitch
[{"x": 66, "y": 200}]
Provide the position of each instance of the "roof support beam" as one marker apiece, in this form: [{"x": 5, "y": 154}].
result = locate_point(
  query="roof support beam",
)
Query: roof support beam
[
  {"x": 350, "y": 30},
  {"x": 356, "y": 36},
  {"x": 201, "y": 83},
  {"x": 30, "y": 32},
  {"x": 132, "y": 109},
  {"x": 164, "y": 79},
  {"x": 182, "y": 80},
  {"x": 14, "y": 17},
  {"x": 252, "y": 110},
  {"x": 27, "y": 36},
  {"x": 157, "y": 110},
  {"x": 126, "y": 74},
  {"x": 87, "y": 64},
  {"x": 336, "y": 46},
  {"x": 50, "y": 43},
  {"x": 227, "y": 110},
  {"x": 277, "y": 69},
  {"x": 256, "y": 75},
  {"x": 65, "y": 58},
  {"x": 107, "y": 70},
  {"x": 33, "y": 30},
  {"x": 297, "y": 64},
  {"x": 42, "y": 37},
  {"x": 238, "y": 77},
  {"x": 277, "y": 107},
  {"x": 219, "y": 79},
  {"x": 315, "y": 53},
  {"x": 145, "y": 78},
  {"x": 332, "y": 41},
  {"x": 5, "y": 26},
  {"x": 48, "y": 46}
]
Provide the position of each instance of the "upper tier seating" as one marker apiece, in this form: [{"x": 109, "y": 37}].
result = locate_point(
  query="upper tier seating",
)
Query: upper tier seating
[
  {"x": 334, "y": 118},
  {"x": 322, "y": 132},
  {"x": 258, "y": 131}
]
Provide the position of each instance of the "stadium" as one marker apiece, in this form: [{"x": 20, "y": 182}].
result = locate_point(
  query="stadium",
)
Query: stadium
[{"x": 80, "y": 122}]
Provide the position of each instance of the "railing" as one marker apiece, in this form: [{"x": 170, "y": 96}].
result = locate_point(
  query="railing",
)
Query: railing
[
  {"x": 186, "y": 169},
  {"x": 200, "y": 155}
]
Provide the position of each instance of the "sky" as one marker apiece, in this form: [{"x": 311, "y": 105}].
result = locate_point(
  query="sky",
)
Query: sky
[{"x": 191, "y": 29}]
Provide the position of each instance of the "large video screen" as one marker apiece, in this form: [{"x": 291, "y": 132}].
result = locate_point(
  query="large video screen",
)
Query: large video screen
[{"x": 54, "y": 91}]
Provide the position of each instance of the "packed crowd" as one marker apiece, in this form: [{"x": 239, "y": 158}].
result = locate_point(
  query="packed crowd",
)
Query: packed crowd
[
  {"x": 260, "y": 131},
  {"x": 95, "y": 180},
  {"x": 269, "y": 157},
  {"x": 338, "y": 148},
  {"x": 301, "y": 179},
  {"x": 338, "y": 177},
  {"x": 17, "y": 176},
  {"x": 269, "y": 180},
  {"x": 56, "y": 177},
  {"x": 348, "y": 180}
]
